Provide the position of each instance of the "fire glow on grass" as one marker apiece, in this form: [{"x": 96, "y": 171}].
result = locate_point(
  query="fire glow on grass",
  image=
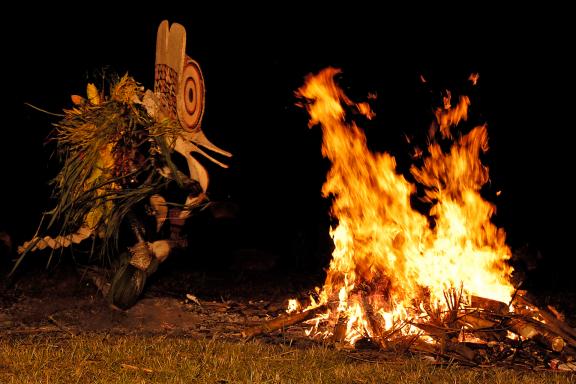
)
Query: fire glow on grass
[{"x": 390, "y": 266}]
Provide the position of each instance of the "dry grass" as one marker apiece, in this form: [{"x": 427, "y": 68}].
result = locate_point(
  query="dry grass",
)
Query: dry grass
[{"x": 132, "y": 359}]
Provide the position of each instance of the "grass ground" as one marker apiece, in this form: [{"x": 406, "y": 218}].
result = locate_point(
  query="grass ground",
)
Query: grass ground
[{"x": 97, "y": 358}]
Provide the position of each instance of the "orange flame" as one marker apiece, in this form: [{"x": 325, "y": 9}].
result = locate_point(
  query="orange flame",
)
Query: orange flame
[{"x": 389, "y": 264}]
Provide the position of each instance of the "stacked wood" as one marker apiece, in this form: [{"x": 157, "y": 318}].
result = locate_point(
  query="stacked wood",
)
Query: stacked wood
[{"x": 479, "y": 333}]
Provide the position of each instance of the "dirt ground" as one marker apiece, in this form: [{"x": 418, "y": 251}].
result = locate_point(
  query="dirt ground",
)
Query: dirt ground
[{"x": 179, "y": 300}]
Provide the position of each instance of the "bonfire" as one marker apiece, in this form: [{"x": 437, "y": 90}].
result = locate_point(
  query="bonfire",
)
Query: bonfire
[{"x": 436, "y": 282}]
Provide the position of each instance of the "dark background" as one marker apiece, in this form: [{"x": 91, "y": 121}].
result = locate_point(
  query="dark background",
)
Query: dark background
[{"x": 254, "y": 59}]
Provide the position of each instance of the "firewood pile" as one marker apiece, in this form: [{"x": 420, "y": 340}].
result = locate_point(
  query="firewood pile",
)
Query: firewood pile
[{"x": 483, "y": 332}]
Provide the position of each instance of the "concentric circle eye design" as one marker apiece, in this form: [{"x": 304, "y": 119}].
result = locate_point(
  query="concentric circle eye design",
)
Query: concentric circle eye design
[{"x": 190, "y": 97}]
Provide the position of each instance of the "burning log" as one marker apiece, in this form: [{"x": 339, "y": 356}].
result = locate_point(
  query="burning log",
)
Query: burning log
[
  {"x": 281, "y": 322},
  {"x": 483, "y": 328},
  {"x": 339, "y": 333},
  {"x": 373, "y": 321},
  {"x": 489, "y": 304},
  {"x": 440, "y": 332},
  {"x": 557, "y": 326},
  {"x": 477, "y": 323},
  {"x": 530, "y": 331}
]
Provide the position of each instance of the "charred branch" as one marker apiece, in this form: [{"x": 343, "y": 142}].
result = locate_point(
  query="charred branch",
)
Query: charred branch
[{"x": 282, "y": 322}]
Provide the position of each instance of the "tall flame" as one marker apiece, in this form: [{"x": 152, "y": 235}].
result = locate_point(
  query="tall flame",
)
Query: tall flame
[{"x": 389, "y": 262}]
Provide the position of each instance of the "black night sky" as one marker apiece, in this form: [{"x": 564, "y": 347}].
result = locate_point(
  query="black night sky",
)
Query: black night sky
[{"x": 254, "y": 60}]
